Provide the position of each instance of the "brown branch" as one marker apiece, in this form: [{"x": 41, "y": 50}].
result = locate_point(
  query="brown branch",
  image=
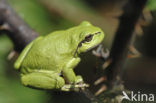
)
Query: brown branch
[
  {"x": 19, "y": 32},
  {"x": 73, "y": 97},
  {"x": 123, "y": 38}
]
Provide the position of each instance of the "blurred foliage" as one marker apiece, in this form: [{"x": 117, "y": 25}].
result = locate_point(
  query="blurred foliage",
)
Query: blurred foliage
[
  {"x": 37, "y": 17},
  {"x": 151, "y": 5},
  {"x": 78, "y": 11},
  {"x": 11, "y": 91}
]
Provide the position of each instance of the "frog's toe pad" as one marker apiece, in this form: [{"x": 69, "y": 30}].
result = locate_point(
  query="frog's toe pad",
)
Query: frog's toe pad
[
  {"x": 81, "y": 85},
  {"x": 74, "y": 87}
]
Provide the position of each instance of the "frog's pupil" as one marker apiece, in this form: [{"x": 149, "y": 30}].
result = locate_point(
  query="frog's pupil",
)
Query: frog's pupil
[{"x": 88, "y": 38}]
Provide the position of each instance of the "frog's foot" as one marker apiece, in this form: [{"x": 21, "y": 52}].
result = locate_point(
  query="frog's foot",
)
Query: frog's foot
[
  {"x": 79, "y": 79},
  {"x": 74, "y": 87},
  {"x": 79, "y": 84},
  {"x": 100, "y": 52}
]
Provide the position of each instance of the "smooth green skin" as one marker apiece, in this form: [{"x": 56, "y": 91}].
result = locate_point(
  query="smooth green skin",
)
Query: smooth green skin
[{"x": 45, "y": 58}]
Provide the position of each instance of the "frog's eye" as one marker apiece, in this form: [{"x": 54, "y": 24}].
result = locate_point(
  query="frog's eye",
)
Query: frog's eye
[{"x": 88, "y": 38}]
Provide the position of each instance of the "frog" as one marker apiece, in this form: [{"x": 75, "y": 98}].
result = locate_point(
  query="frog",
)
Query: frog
[{"x": 48, "y": 62}]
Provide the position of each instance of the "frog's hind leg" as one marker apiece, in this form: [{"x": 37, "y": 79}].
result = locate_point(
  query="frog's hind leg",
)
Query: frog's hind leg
[
  {"x": 42, "y": 80},
  {"x": 23, "y": 54}
]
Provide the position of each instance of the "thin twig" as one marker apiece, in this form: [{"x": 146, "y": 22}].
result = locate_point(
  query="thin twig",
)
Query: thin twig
[{"x": 122, "y": 41}]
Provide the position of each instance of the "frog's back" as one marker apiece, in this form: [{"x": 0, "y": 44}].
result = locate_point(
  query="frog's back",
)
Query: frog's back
[{"x": 51, "y": 52}]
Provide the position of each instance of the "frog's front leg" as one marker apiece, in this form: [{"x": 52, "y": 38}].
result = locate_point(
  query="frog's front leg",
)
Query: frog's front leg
[
  {"x": 42, "y": 80},
  {"x": 68, "y": 72}
]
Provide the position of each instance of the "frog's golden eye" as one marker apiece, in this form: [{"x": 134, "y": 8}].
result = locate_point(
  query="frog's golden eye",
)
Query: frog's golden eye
[{"x": 88, "y": 38}]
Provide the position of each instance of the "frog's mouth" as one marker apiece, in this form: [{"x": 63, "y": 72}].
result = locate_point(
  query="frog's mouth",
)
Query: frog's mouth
[{"x": 93, "y": 47}]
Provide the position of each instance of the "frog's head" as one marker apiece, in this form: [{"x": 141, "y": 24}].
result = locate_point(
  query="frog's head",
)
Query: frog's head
[{"x": 89, "y": 37}]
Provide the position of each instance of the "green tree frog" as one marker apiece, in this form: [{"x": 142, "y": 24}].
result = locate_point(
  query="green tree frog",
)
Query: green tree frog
[{"x": 48, "y": 61}]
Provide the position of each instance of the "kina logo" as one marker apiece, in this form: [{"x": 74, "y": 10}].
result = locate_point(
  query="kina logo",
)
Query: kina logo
[{"x": 138, "y": 97}]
